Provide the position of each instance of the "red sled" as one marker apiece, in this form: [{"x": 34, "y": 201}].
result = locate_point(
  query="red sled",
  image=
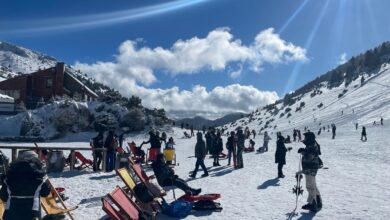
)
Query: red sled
[{"x": 192, "y": 198}]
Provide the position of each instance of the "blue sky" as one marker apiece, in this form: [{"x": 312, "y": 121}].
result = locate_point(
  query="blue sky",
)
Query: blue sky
[{"x": 89, "y": 33}]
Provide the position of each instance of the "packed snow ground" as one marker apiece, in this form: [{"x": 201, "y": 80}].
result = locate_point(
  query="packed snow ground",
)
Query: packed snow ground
[{"x": 356, "y": 185}]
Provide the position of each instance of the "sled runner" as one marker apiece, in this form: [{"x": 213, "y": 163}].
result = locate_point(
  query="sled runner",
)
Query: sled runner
[{"x": 203, "y": 205}]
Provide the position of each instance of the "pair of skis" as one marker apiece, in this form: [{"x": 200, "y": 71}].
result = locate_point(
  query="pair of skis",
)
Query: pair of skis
[{"x": 297, "y": 189}]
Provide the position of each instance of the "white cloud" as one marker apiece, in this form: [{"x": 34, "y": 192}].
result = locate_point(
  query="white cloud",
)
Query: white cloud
[
  {"x": 342, "y": 59},
  {"x": 216, "y": 102},
  {"x": 214, "y": 52},
  {"x": 133, "y": 69}
]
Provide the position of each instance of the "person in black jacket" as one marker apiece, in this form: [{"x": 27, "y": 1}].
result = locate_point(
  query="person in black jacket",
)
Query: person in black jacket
[
  {"x": 166, "y": 176},
  {"x": 230, "y": 146},
  {"x": 22, "y": 187},
  {"x": 154, "y": 140},
  {"x": 311, "y": 162},
  {"x": 217, "y": 148},
  {"x": 200, "y": 154},
  {"x": 110, "y": 144},
  {"x": 280, "y": 154},
  {"x": 364, "y": 134},
  {"x": 97, "y": 143}
]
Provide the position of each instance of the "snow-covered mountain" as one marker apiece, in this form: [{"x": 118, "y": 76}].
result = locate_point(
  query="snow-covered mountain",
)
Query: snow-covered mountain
[
  {"x": 355, "y": 92},
  {"x": 16, "y": 60},
  {"x": 198, "y": 122}
]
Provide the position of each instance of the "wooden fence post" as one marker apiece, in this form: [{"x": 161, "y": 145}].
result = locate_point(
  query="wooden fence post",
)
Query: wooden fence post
[
  {"x": 14, "y": 152},
  {"x": 104, "y": 159},
  {"x": 72, "y": 159}
]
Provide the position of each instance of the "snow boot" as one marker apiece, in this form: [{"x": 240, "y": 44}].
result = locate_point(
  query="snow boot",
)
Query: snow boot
[
  {"x": 196, "y": 192},
  {"x": 205, "y": 174},
  {"x": 192, "y": 176}
]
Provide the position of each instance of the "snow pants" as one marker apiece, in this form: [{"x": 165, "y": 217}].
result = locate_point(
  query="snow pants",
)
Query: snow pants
[
  {"x": 312, "y": 189},
  {"x": 199, "y": 162},
  {"x": 110, "y": 161},
  {"x": 240, "y": 161},
  {"x": 265, "y": 146}
]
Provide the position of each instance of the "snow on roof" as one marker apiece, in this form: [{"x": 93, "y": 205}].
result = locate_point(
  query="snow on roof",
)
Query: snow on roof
[
  {"x": 82, "y": 84},
  {"x": 5, "y": 98}
]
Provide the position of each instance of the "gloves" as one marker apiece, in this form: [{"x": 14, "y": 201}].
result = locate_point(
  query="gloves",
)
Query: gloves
[{"x": 301, "y": 150}]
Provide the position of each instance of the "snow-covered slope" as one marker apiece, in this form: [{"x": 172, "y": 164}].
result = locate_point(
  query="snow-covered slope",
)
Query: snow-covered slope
[
  {"x": 15, "y": 60},
  {"x": 356, "y": 103},
  {"x": 355, "y": 185}
]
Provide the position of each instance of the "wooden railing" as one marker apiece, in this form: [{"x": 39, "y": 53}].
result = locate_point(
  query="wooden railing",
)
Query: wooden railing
[{"x": 14, "y": 149}]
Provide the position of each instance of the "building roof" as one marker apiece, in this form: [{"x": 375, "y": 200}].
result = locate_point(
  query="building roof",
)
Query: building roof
[
  {"x": 5, "y": 98},
  {"x": 81, "y": 84}
]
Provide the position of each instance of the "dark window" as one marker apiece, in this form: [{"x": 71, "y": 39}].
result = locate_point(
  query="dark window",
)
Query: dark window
[{"x": 49, "y": 82}]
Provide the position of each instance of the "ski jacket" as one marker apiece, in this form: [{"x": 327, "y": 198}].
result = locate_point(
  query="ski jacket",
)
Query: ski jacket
[
  {"x": 230, "y": 143},
  {"x": 164, "y": 174},
  {"x": 200, "y": 149},
  {"x": 280, "y": 154},
  {"x": 240, "y": 140},
  {"x": 22, "y": 187},
  {"x": 310, "y": 159},
  {"x": 266, "y": 138},
  {"x": 217, "y": 146}
]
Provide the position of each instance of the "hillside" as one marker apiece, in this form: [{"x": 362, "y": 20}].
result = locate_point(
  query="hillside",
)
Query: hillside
[
  {"x": 50, "y": 120},
  {"x": 358, "y": 95}
]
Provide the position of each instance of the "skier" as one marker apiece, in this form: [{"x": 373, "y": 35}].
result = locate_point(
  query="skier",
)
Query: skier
[
  {"x": 280, "y": 154},
  {"x": 364, "y": 134},
  {"x": 381, "y": 120},
  {"x": 111, "y": 145},
  {"x": 22, "y": 187},
  {"x": 192, "y": 131},
  {"x": 265, "y": 143},
  {"x": 230, "y": 147},
  {"x": 333, "y": 131},
  {"x": 311, "y": 162},
  {"x": 254, "y": 133},
  {"x": 209, "y": 140},
  {"x": 295, "y": 133},
  {"x": 200, "y": 154},
  {"x": 217, "y": 148},
  {"x": 356, "y": 125},
  {"x": 166, "y": 176},
  {"x": 240, "y": 148},
  {"x": 299, "y": 135},
  {"x": 97, "y": 143}
]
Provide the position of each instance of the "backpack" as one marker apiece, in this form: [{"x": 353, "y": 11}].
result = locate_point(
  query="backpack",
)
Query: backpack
[{"x": 178, "y": 208}]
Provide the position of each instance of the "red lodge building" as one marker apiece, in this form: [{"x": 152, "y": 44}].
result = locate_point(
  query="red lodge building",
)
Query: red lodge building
[{"x": 44, "y": 85}]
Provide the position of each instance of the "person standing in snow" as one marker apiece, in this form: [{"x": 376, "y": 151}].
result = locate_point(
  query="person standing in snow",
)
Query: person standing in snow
[
  {"x": 265, "y": 143},
  {"x": 22, "y": 187},
  {"x": 209, "y": 140},
  {"x": 311, "y": 162},
  {"x": 110, "y": 144},
  {"x": 217, "y": 148},
  {"x": 381, "y": 120},
  {"x": 240, "y": 148},
  {"x": 356, "y": 126},
  {"x": 254, "y": 133},
  {"x": 230, "y": 146},
  {"x": 200, "y": 154},
  {"x": 97, "y": 143},
  {"x": 364, "y": 134},
  {"x": 299, "y": 135},
  {"x": 333, "y": 131},
  {"x": 295, "y": 133},
  {"x": 280, "y": 154}
]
